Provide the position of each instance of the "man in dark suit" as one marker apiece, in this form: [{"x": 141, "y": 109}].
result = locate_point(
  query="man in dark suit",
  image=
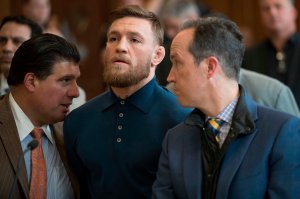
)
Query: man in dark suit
[
  {"x": 278, "y": 56},
  {"x": 229, "y": 147},
  {"x": 42, "y": 79}
]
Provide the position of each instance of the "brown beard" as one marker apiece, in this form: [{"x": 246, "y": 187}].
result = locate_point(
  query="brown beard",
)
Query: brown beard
[{"x": 129, "y": 78}]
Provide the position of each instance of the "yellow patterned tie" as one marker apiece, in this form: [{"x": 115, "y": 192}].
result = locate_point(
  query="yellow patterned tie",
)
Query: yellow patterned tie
[
  {"x": 38, "y": 180},
  {"x": 215, "y": 124}
]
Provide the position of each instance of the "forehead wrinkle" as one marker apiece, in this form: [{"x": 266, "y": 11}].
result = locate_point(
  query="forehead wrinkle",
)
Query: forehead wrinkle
[{"x": 132, "y": 25}]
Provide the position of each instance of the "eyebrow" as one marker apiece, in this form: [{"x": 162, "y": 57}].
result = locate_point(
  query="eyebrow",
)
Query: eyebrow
[
  {"x": 132, "y": 33},
  {"x": 13, "y": 37}
]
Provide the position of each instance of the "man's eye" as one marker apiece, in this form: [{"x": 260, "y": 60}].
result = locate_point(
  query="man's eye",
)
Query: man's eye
[
  {"x": 66, "y": 80},
  {"x": 18, "y": 41},
  {"x": 134, "y": 40},
  {"x": 3, "y": 40},
  {"x": 112, "y": 39}
]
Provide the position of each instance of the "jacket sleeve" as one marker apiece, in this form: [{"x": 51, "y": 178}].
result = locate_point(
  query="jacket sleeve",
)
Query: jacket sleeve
[{"x": 162, "y": 187}]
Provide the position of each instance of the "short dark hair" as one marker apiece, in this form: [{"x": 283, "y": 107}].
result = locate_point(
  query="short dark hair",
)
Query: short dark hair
[
  {"x": 38, "y": 55},
  {"x": 138, "y": 12},
  {"x": 34, "y": 27},
  {"x": 215, "y": 36}
]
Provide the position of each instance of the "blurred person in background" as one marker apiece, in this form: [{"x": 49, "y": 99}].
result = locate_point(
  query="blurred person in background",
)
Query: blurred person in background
[
  {"x": 278, "y": 56},
  {"x": 173, "y": 14},
  {"x": 14, "y": 30}
]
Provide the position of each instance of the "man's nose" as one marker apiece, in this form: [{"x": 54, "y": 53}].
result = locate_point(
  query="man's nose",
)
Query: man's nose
[
  {"x": 74, "y": 90},
  {"x": 122, "y": 45},
  {"x": 9, "y": 46}
]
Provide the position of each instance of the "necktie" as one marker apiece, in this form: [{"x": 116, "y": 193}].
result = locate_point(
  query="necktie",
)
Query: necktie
[
  {"x": 38, "y": 180},
  {"x": 214, "y": 125}
]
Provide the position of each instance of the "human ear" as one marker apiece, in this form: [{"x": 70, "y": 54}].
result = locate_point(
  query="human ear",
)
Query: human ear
[
  {"x": 212, "y": 64},
  {"x": 30, "y": 82},
  {"x": 159, "y": 55}
]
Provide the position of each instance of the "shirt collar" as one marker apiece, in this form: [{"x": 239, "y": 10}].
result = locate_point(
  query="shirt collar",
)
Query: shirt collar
[
  {"x": 198, "y": 118},
  {"x": 227, "y": 113},
  {"x": 23, "y": 123},
  {"x": 294, "y": 39},
  {"x": 3, "y": 84},
  {"x": 142, "y": 99}
]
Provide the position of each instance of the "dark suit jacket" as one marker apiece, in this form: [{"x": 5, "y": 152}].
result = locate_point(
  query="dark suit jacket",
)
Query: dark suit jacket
[
  {"x": 11, "y": 150},
  {"x": 262, "y": 162}
]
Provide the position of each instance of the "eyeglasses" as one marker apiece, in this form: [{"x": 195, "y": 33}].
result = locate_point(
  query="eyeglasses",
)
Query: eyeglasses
[{"x": 281, "y": 68}]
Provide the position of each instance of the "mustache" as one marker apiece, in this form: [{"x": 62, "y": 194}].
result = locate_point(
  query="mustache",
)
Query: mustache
[
  {"x": 6, "y": 55},
  {"x": 121, "y": 59}
]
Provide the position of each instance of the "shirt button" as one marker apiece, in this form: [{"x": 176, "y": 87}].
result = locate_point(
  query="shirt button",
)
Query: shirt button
[
  {"x": 119, "y": 140},
  {"x": 121, "y": 114},
  {"x": 120, "y": 127},
  {"x": 122, "y": 102}
]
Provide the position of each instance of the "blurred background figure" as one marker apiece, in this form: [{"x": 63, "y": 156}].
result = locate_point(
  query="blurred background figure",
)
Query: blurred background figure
[
  {"x": 278, "y": 56},
  {"x": 174, "y": 13},
  {"x": 37, "y": 10},
  {"x": 14, "y": 30}
]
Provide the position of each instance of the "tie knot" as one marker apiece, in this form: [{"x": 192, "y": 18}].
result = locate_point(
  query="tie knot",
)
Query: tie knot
[
  {"x": 215, "y": 123},
  {"x": 37, "y": 133}
]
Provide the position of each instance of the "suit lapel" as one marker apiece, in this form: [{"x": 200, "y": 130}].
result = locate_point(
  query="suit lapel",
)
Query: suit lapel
[
  {"x": 192, "y": 164},
  {"x": 11, "y": 143},
  {"x": 233, "y": 158}
]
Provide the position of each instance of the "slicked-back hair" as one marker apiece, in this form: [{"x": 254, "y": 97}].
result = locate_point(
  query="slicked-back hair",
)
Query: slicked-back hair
[
  {"x": 217, "y": 37},
  {"x": 38, "y": 55},
  {"x": 34, "y": 27},
  {"x": 138, "y": 12}
]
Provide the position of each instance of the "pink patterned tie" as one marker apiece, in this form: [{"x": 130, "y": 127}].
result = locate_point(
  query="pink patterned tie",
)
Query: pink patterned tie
[{"x": 38, "y": 180}]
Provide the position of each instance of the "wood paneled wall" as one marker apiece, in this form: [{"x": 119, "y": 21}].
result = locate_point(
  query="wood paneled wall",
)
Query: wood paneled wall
[
  {"x": 86, "y": 17},
  {"x": 4, "y": 8}
]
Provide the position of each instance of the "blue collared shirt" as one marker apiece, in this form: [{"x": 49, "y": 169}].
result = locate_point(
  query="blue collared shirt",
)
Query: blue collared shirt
[{"x": 115, "y": 144}]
